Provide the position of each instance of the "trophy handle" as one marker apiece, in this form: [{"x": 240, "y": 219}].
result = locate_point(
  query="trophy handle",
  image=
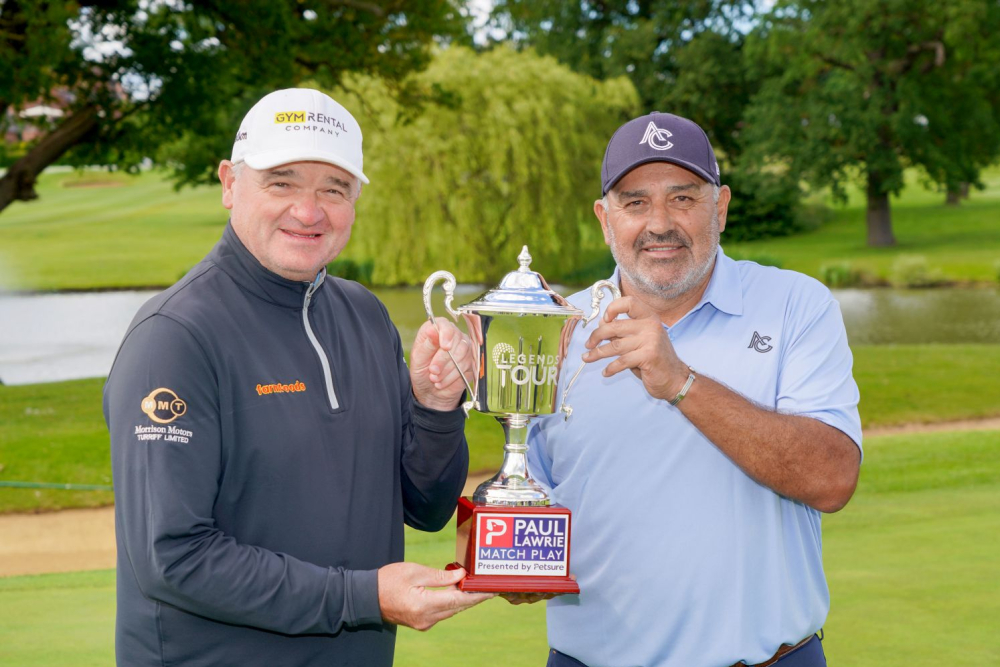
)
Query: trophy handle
[
  {"x": 596, "y": 295},
  {"x": 449, "y": 295}
]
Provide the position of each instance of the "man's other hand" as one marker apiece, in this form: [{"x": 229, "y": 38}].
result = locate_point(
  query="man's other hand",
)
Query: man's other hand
[
  {"x": 407, "y": 597},
  {"x": 641, "y": 345},
  {"x": 436, "y": 381}
]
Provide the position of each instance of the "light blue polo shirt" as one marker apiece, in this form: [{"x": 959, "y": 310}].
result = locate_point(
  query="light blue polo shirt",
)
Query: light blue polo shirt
[{"x": 682, "y": 559}]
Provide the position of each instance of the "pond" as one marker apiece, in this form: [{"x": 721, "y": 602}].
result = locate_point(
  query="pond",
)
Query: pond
[{"x": 52, "y": 337}]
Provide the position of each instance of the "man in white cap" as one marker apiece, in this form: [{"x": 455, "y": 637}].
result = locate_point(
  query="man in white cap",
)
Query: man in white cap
[{"x": 268, "y": 440}]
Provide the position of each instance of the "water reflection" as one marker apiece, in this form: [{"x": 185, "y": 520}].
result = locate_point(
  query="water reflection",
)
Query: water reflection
[
  {"x": 50, "y": 337},
  {"x": 895, "y": 316}
]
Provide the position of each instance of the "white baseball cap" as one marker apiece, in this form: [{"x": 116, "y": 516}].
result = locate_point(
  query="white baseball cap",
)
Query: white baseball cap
[{"x": 298, "y": 125}]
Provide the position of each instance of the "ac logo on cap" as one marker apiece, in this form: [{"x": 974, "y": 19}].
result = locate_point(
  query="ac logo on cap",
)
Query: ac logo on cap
[{"x": 657, "y": 138}]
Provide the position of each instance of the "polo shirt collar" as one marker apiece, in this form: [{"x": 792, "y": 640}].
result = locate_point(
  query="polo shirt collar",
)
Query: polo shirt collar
[{"x": 725, "y": 289}]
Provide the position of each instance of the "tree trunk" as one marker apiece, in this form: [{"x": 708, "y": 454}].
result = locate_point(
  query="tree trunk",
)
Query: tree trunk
[
  {"x": 18, "y": 184},
  {"x": 957, "y": 193},
  {"x": 878, "y": 215}
]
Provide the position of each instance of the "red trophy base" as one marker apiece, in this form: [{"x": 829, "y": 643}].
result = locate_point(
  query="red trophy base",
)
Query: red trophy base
[{"x": 513, "y": 549}]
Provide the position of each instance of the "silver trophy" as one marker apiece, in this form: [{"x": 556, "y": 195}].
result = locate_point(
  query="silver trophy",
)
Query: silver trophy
[{"x": 522, "y": 330}]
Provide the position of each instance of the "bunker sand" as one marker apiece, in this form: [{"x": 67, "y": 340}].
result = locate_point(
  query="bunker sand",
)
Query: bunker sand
[{"x": 74, "y": 540}]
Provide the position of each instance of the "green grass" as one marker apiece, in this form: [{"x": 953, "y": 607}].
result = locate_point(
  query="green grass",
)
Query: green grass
[
  {"x": 911, "y": 564},
  {"x": 55, "y": 432},
  {"x": 912, "y": 561},
  {"x": 140, "y": 232},
  {"x": 58, "y": 619},
  {"x": 903, "y": 384},
  {"x": 137, "y": 232},
  {"x": 962, "y": 242}
]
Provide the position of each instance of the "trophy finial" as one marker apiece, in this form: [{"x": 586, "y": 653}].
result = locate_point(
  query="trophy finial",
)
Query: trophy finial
[{"x": 524, "y": 259}]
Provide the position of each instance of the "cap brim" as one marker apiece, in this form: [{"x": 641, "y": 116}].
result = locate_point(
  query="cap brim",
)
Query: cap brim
[
  {"x": 693, "y": 168},
  {"x": 273, "y": 159}
]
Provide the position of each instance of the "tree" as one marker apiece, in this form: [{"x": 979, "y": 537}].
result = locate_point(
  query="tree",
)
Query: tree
[
  {"x": 876, "y": 86},
  {"x": 514, "y": 158},
  {"x": 682, "y": 56},
  {"x": 171, "y": 80}
]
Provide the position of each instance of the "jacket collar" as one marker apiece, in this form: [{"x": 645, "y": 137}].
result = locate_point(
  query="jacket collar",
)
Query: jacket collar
[{"x": 230, "y": 255}]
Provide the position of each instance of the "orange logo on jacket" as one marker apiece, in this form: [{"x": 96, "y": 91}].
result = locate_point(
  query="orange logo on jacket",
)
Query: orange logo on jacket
[{"x": 278, "y": 388}]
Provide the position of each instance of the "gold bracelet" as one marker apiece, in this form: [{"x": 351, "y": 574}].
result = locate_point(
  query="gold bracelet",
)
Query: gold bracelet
[{"x": 684, "y": 390}]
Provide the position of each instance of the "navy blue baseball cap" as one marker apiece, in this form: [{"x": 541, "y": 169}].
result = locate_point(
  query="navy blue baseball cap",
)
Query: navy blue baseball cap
[{"x": 658, "y": 137}]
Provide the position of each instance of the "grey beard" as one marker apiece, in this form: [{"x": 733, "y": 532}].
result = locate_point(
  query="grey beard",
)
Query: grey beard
[{"x": 669, "y": 290}]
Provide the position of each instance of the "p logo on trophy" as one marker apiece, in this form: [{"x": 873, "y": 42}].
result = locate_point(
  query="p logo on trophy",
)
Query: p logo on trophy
[{"x": 511, "y": 538}]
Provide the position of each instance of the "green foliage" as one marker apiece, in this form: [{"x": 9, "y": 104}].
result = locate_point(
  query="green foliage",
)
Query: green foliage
[
  {"x": 350, "y": 269},
  {"x": 913, "y": 271},
  {"x": 876, "y": 83},
  {"x": 173, "y": 79},
  {"x": 841, "y": 274},
  {"x": 683, "y": 57},
  {"x": 996, "y": 269},
  {"x": 961, "y": 242},
  {"x": 761, "y": 258},
  {"x": 764, "y": 204},
  {"x": 463, "y": 186}
]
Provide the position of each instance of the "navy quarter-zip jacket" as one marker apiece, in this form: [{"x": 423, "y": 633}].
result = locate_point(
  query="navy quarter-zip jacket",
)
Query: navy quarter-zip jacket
[{"x": 266, "y": 451}]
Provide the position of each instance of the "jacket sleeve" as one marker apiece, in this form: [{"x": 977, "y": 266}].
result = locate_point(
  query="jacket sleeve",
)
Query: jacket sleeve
[
  {"x": 435, "y": 458},
  {"x": 162, "y": 408}
]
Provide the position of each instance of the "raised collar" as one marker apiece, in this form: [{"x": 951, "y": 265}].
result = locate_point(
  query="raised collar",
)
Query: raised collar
[
  {"x": 724, "y": 291},
  {"x": 230, "y": 255}
]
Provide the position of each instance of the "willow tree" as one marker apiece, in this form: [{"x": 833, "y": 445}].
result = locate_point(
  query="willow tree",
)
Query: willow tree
[{"x": 511, "y": 158}]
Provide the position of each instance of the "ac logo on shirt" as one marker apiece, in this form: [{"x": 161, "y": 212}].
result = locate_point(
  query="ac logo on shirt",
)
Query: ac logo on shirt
[
  {"x": 163, "y": 405},
  {"x": 760, "y": 343}
]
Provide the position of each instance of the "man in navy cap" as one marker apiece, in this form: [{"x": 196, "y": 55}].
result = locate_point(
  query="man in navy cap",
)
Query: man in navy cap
[{"x": 696, "y": 520}]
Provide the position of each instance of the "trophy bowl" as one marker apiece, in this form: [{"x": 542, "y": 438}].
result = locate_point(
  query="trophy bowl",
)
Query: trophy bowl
[{"x": 521, "y": 330}]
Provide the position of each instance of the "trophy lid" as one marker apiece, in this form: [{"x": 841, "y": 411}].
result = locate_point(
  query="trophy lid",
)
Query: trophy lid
[{"x": 522, "y": 292}]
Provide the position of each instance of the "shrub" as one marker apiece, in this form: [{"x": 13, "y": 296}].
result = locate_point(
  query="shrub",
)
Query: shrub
[
  {"x": 764, "y": 205},
  {"x": 761, "y": 258},
  {"x": 839, "y": 275},
  {"x": 349, "y": 269},
  {"x": 913, "y": 271}
]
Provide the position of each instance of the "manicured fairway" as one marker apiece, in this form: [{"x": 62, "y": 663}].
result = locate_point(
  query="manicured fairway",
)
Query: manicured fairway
[
  {"x": 911, "y": 563},
  {"x": 137, "y": 231}
]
